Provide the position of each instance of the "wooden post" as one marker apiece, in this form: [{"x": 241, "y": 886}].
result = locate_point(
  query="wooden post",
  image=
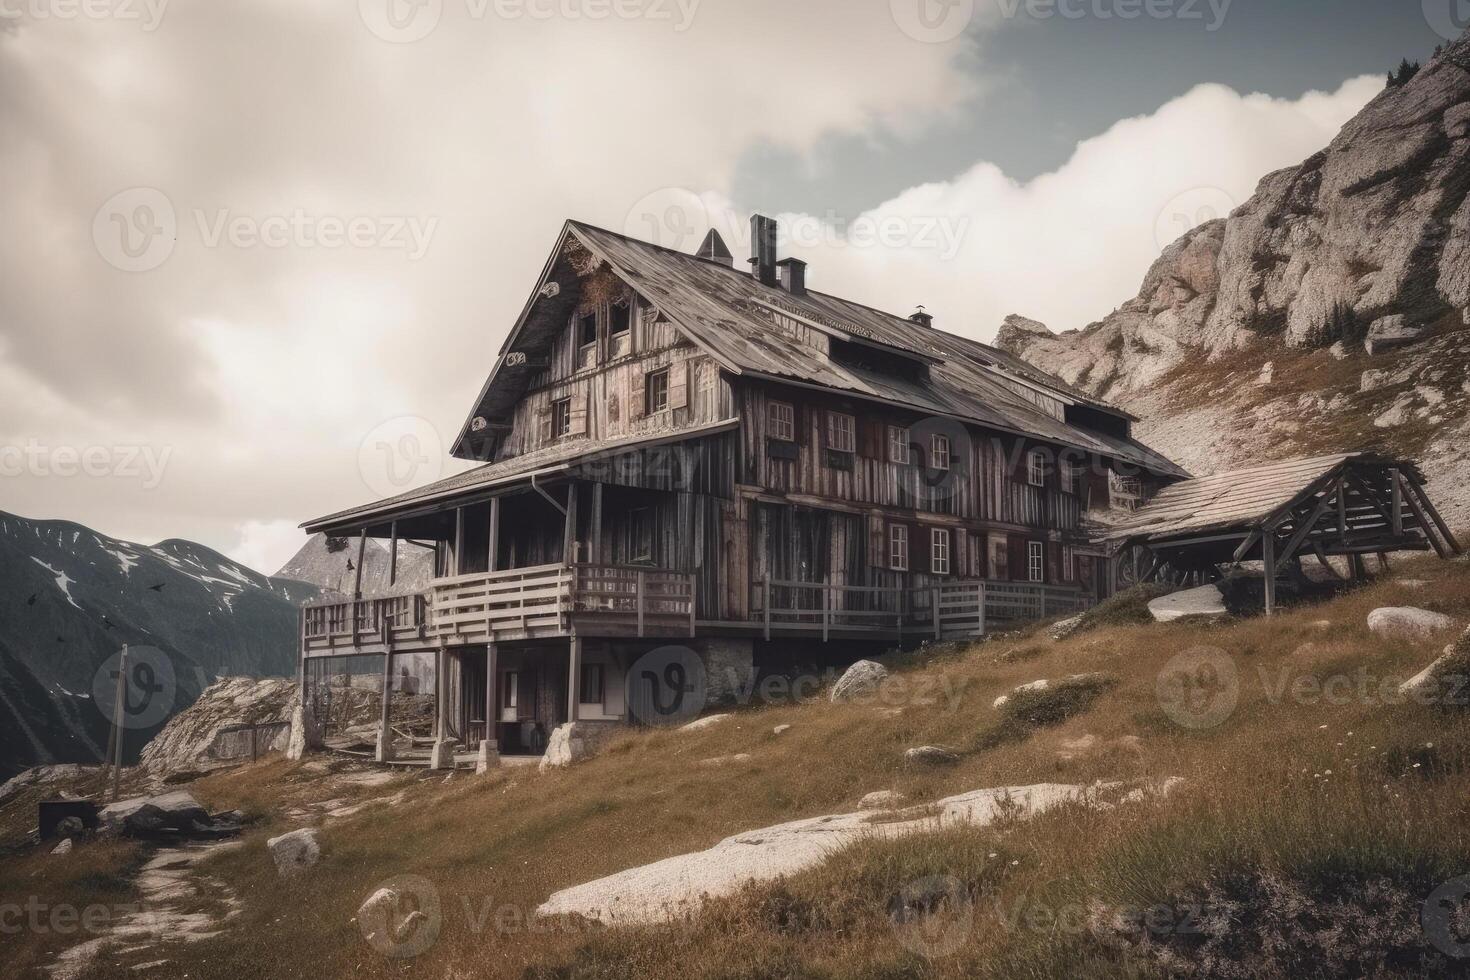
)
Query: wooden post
[
  {"x": 574, "y": 678},
  {"x": 693, "y": 602},
  {"x": 1268, "y": 559},
  {"x": 766, "y": 602},
  {"x": 493, "y": 560},
  {"x": 595, "y": 550},
  {"x": 441, "y": 659},
  {"x": 1397, "y": 498},
  {"x": 934, "y": 602},
  {"x": 357, "y": 585},
  {"x": 640, "y": 601},
  {"x": 826, "y": 609},
  {"x": 393, "y": 555},
  {"x": 980, "y": 595},
  {"x": 1424, "y": 522},
  {"x": 459, "y": 541},
  {"x": 119, "y": 707},
  {"x": 492, "y": 701},
  {"x": 385, "y": 737},
  {"x": 569, "y": 544}
]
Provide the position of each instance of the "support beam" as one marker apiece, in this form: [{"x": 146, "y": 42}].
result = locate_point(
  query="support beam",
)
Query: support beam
[
  {"x": 1268, "y": 559},
  {"x": 385, "y": 733},
  {"x": 1444, "y": 529},
  {"x": 1305, "y": 529},
  {"x": 1397, "y": 504},
  {"x": 357, "y": 577},
  {"x": 492, "y": 560},
  {"x": 458, "y": 541},
  {"x": 1414, "y": 505},
  {"x": 393, "y": 555},
  {"x": 596, "y": 542},
  {"x": 492, "y": 692},
  {"x": 569, "y": 541},
  {"x": 574, "y": 677}
]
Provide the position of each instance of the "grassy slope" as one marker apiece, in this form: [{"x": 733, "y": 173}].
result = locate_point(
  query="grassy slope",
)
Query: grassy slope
[{"x": 1257, "y": 800}]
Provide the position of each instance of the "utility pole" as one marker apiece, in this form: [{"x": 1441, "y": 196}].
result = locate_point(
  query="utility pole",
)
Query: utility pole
[{"x": 119, "y": 706}]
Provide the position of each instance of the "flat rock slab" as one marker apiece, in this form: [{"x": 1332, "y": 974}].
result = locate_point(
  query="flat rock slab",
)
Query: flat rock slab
[
  {"x": 1203, "y": 601},
  {"x": 668, "y": 890},
  {"x": 1407, "y": 622}
]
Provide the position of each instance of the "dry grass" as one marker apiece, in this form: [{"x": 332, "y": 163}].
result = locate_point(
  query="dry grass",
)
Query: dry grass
[{"x": 1258, "y": 801}]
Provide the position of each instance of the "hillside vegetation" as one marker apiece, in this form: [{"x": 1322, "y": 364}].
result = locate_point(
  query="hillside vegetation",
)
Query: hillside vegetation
[{"x": 1316, "y": 815}]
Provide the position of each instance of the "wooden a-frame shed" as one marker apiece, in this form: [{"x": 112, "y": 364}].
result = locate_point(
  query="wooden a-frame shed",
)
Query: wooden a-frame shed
[{"x": 1347, "y": 505}]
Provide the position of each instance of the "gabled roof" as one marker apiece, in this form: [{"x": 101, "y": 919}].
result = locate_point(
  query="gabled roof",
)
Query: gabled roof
[
  {"x": 727, "y": 312},
  {"x": 1236, "y": 500}
]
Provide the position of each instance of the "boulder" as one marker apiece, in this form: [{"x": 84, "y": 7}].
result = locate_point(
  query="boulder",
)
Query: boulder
[
  {"x": 930, "y": 755},
  {"x": 305, "y": 734},
  {"x": 1407, "y": 622},
  {"x": 1206, "y": 600},
  {"x": 166, "y": 815},
  {"x": 883, "y": 799},
  {"x": 780, "y": 728},
  {"x": 568, "y": 744},
  {"x": 1064, "y": 628},
  {"x": 708, "y": 721},
  {"x": 294, "y": 852},
  {"x": 1391, "y": 332},
  {"x": 1443, "y": 676},
  {"x": 63, "y": 848},
  {"x": 861, "y": 680}
]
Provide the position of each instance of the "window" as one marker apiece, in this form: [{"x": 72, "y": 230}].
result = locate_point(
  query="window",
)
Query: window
[
  {"x": 656, "y": 392},
  {"x": 939, "y": 551},
  {"x": 841, "y": 432},
  {"x": 640, "y": 527},
  {"x": 898, "y": 444},
  {"x": 938, "y": 452},
  {"x": 592, "y": 684},
  {"x": 783, "y": 422},
  {"x": 587, "y": 329},
  {"x": 510, "y": 689},
  {"x": 1036, "y": 561},
  {"x": 561, "y": 418},
  {"x": 619, "y": 330},
  {"x": 1036, "y": 468},
  {"x": 898, "y": 547},
  {"x": 1073, "y": 474}
]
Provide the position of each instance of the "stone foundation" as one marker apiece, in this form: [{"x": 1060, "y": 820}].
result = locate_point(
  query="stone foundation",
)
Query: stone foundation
[{"x": 729, "y": 669}]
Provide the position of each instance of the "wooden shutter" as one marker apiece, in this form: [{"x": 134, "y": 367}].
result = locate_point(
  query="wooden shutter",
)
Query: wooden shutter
[
  {"x": 870, "y": 437},
  {"x": 636, "y": 398},
  {"x": 679, "y": 384},
  {"x": 579, "y": 414}
]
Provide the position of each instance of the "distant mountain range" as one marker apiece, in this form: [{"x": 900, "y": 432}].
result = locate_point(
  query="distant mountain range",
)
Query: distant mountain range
[{"x": 70, "y": 598}]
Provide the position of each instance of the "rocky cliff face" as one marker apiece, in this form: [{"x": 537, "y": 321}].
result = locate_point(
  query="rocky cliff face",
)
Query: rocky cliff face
[
  {"x": 1326, "y": 313},
  {"x": 1367, "y": 241}
]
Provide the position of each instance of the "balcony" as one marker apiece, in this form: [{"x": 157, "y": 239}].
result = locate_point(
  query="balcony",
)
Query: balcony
[{"x": 515, "y": 604}]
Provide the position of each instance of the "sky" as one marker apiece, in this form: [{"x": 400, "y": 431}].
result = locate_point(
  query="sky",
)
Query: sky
[{"x": 259, "y": 255}]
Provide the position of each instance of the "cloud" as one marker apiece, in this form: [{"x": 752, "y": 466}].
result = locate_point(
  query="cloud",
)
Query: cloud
[
  {"x": 1069, "y": 246},
  {"x": 267, "y": 545}
]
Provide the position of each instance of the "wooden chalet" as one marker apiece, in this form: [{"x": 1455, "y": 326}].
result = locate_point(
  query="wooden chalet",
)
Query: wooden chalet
[
  {"x": 676, "y": 450},
  {"x": 1343, "y": 506}
]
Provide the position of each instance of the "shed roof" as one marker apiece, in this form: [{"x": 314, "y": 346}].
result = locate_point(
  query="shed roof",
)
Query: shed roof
[{"x": 1237, "y": 499}]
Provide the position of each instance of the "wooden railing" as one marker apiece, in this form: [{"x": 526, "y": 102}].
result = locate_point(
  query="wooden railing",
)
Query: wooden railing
[
  {"x": 351, "y": 619},
  {"x": 517, "y": 599},
  {"x": 947, "y": 609},
  {"x": 640, "y": 594}
]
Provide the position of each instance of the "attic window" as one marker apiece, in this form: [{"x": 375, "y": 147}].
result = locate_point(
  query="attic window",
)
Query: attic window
[
  {"x": 619, "y": 332},
  {"x": 1036, "y": 468},
  {"x": 656, "y": 392},
  {"x": 561, "y": 418}
]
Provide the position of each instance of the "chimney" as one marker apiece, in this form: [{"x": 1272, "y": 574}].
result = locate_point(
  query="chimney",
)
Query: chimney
[
  {"x": 763, "y": 248},
  {"x": 921, "y": 318},
  {"x": 793, "y": 276},
  {"x": 713, "y": 249}
]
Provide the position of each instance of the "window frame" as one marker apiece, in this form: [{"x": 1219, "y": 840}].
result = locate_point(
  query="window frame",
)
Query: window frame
[
  {"x": 774, "y": 423},
  {"x": 511, "y": 694},
  {"x": 849, "y": 431},
  {"x": 588, "y": 670},
  {"x": 898, "y": 445},
  {"x": 1036, "y": 468},
  {"x": 939, "y": 460},
  {"x": 652, "y": 380},
  {"x": 561, "y": 418},
  {"x": 898, "y": 547},
  {"x": 940, "y": 556},
  {"x": 1036, "y": 561},
  {"x": 615, "y": 338}
]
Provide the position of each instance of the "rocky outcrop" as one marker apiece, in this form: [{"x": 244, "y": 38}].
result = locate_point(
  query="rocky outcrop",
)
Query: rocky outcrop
[
  {"x": 216, "y": 731},
  {"x": 1367, "y": 240},
  {"x": 1206, "y": 600}
]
